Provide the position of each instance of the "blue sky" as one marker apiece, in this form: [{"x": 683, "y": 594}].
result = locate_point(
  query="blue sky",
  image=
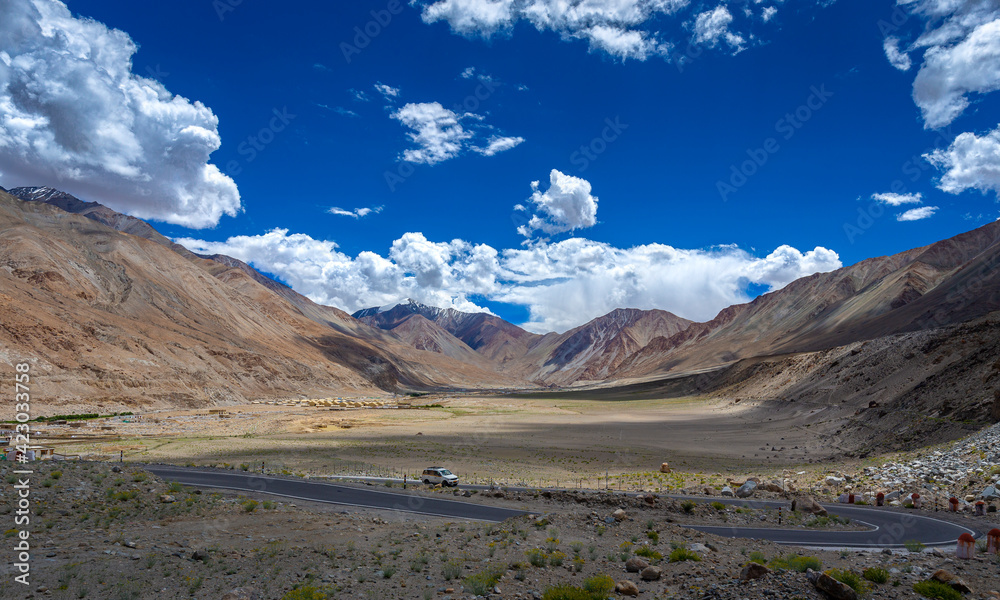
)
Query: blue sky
[{"x": 651, "y": 216}]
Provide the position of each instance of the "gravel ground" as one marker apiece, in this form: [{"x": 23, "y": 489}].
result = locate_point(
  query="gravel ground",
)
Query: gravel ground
[{"x": 114, "y": 535}]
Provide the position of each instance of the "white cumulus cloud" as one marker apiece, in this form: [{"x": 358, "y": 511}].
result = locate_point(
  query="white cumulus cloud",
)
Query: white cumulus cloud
[
  {"x": 916, "y": 214},
  {"x": 951, "y": 74},
  {"x": 970, "y": 162},
  {"x": 897, "y": 58},
  {"x": 562, "y": 284},
  {"x": 621, "y": 28},
  {"x": 898, "y": 199},
  {"x": 357, "y": 213},
  {"x": 567, "y": 205},
  {"x": 439, "y": 134},
  {"x": 711, "y": 27},
  {"x": 73, "y": 115}
]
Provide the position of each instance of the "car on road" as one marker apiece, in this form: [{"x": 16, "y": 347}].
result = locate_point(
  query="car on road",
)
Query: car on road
[{"x": 436, "y": 475}]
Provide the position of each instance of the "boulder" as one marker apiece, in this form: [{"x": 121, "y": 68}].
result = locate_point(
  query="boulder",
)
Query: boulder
[
  {"x": 727, "y": 492},
  {"x": 951, "y": 580},
  {"x": 665, "y": 468},
  {"x": 892, "y": 496},
  {"x": 771, "y": 486},
  {"x": 753, "y": 570},
  {"x": 834, "y": 481},
  {"x": 635, "y": 564},
  {"x": 747, "y": 489},
  {"x": 650, "y": 574},
  {"x": 619, "y": 515},
  {"x": 809, "y": 505},
  {"x": 627, "y": 588},
  {"x": 991, "y": 493},
  {"x": 832, "y": 588},
  {"x": 167, "y": 499}
]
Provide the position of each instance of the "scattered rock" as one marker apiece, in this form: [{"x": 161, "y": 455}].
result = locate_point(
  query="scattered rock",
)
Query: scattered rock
[
  {"x": 753, "y": 570},
  {"x": 650, "y": 574},
  {"x": 167, "y": 499},
  {"x": 242, "y": 593},
  {"x": 727, "y": 492},
  {"x": 809, "y": 505},
  {"x": 747, "y": 489},
  {"x": 635, "y": 564},
  {"x": 619, "y": 515},
  {"x": 199, "y": 555},
  {"x": 990, "y": 493},
  {"x": 831, "y": 587},
  {"x": 951, "y": 580},
  {"x": 627, "y": 588}
]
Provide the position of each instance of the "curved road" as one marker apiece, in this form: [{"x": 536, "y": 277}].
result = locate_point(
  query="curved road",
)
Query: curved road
[
  {"x": 316, "y": 491},
  {"x": 888, "y": 528}
]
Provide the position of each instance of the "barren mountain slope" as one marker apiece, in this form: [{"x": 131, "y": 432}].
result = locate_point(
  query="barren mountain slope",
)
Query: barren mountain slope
[
  {"x": 948, "y": 282},
  {"x": 593, "y": 350},
  {"x": 587, "y": 352},
  {"x": 114, "y": 319},
  {"x": 487, "y": 334}
]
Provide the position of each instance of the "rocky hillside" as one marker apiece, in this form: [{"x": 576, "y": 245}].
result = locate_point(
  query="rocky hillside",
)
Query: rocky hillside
[
  {"x": 112, "y": 319},
  {"x": 921, "y": 289}
]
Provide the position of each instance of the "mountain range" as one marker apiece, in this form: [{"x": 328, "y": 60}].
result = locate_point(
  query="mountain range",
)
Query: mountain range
[{"x": 113, "y": 313}]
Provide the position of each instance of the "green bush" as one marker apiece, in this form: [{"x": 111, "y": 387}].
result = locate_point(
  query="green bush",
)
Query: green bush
[
  {"x": 566, "y": 592},
  {"x": 653, "y": 536},
  {"x": 914, "y": 546},
  {"x": 758, "y": 557},
  {"x": 451, "y": 570},
  {"x": 851, "y": 579},
  {"x": 536, "y": 556},
  {"x": 55, "y": 474},
  {"x": 718, "y": 506},
  {"x": 249, "y": 505},
  {"x": 794, "y": 562},
  {"x": 682, "y": 554},
  {"x": 600, "y": 586},
  {"x": 688, "y": 506},
  {"x": 876, "y": 574},
  {"x": 483, "y": 582},
  {"x": 936, "y": 590},
  {"x": 647, "y": 552},
  {"x": 556, "y": 558},
  {"x": 306, "y": 592}
]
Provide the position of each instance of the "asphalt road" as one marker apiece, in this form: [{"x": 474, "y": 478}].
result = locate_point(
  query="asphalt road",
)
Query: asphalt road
[
  {"x": 887, "y": 528},
  {"x": 317, "y": 491}
]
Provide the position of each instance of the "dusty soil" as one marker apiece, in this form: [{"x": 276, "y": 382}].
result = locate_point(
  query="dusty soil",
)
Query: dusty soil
[
  {"x": 510, "y": 439},
  {"x": 104, "y": 534}
]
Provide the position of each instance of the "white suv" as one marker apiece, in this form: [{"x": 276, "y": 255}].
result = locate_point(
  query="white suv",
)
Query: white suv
[{"x": 436, "y": 475}]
